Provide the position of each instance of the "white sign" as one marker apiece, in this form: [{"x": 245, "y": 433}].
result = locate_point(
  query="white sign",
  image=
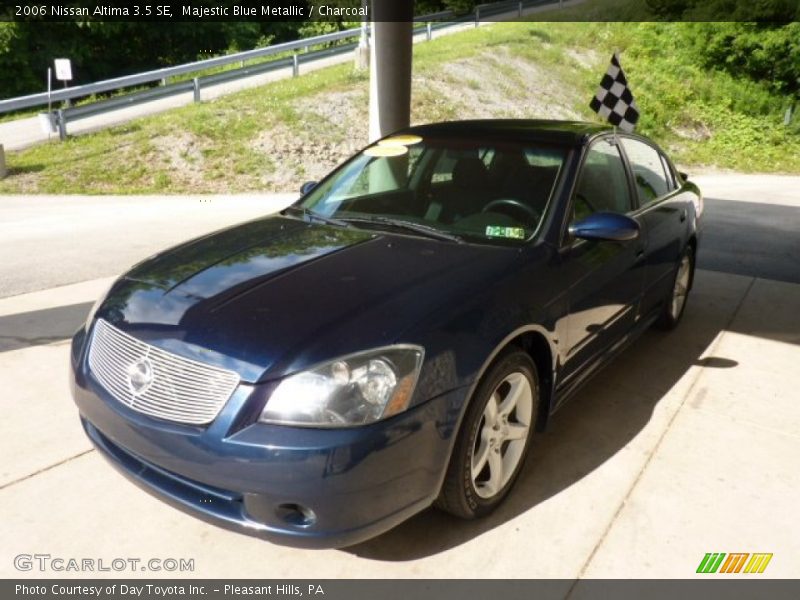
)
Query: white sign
[{"x": 63, "y": 69}]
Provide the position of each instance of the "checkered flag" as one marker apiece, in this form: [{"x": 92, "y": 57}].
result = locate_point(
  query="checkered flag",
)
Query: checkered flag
[{"x": 614, "y": 100}]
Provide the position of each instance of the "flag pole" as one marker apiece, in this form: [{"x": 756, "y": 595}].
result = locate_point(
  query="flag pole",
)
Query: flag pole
[{"x": 616, "y": 55}]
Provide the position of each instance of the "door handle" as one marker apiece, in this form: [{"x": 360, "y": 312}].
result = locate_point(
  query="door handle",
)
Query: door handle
[{"x": 683, "y": 215}]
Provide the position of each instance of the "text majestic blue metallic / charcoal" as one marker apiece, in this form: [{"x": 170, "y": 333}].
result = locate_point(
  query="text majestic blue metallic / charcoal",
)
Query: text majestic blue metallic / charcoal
[{"x": 393, "y": 339}]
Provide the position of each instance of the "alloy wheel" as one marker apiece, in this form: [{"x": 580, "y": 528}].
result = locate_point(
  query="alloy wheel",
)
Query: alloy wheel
[
  {"x": 681, "y": 289},
  {"x": 502, "y": 435}
]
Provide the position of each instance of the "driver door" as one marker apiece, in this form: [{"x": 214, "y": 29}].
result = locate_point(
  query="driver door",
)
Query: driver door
[{"x": 607, "y": 278}]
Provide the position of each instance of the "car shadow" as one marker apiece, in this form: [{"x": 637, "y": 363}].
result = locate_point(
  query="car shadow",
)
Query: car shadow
[
  {"x": 38, "y": 327},
  {"x": 591, "y": 428},
  {"x": 616, "y": 405}
]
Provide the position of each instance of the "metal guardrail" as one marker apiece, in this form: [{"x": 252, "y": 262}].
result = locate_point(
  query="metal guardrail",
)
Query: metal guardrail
[
  {"x": 426, "y": 24},
  {"x": 118, "y": 83}
]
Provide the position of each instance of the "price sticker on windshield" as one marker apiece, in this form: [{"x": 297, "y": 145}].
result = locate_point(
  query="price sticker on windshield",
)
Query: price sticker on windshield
[{"x": 513, "y": 233}]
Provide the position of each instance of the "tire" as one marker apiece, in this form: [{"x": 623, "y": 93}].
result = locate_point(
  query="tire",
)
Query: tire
[
  {"x": 675, "y": 303},
  {"x": 498, "y": 450}
]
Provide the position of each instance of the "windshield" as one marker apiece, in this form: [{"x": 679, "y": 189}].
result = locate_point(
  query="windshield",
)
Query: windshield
[{"x": 490, "y": 192}]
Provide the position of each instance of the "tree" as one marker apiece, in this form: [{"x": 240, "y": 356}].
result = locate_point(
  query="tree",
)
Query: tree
[{"x": 766, "y": 53}]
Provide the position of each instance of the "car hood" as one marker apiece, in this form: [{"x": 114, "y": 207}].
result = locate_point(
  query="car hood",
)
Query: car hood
[{"x": 276, "y": 295}]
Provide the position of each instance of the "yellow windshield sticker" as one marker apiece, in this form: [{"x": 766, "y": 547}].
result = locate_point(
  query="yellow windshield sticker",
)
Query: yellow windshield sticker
[
  {"x": 401, "y": 140},
  {"x": 383, "y": 151},
  {"x": 514, "y": 233}
]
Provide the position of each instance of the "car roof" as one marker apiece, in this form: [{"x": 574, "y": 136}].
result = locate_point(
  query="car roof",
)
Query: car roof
[{"x": 561, "y": 132}]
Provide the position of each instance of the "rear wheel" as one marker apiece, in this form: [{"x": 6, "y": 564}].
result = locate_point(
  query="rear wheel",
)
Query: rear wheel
[
  {"x": 494, "y": 438},
  {"x": 675, "y": 304}
]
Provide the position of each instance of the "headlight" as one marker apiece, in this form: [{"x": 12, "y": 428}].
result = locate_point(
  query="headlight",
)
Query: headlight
[{"x": 353, "y": 390}]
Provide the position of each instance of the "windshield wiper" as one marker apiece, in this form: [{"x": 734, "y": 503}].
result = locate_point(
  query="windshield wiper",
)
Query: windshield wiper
[
  {"x": 307, "y": 212},
  {"x": 419, "y": 228}
]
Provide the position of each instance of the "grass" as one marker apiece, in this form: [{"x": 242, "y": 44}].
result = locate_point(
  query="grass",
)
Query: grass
[
  {"x": 21, "y": 114},
  {"x": 704, "y": 118},
  {"x": 126, "y": 159},
  {"x": 600, "y": 11}
]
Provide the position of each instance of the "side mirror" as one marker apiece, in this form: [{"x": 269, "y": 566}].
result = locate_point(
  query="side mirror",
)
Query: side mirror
[
  {"x": 307, "y": 187},
  {"x": 606, "y": 227},
  {"x": 684, "y": 175}
]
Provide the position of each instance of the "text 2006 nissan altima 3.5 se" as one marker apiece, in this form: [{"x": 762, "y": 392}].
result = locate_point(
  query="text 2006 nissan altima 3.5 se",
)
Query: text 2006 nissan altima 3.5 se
[{"x": 394, "y": 338}]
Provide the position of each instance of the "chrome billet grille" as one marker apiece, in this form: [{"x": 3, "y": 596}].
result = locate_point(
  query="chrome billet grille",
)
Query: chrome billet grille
[{"x": 155, "y": 382}]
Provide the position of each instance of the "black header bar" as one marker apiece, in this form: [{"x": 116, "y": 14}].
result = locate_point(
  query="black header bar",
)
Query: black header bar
[
  {"x": 438, "y": 589},
  {"x": 349, "y": 11}
]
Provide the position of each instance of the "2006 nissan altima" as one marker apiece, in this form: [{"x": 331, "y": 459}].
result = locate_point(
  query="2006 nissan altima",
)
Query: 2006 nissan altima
[{"x": 394, "y": 338}]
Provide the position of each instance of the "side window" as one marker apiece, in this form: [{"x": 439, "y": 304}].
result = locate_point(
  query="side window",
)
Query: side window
[
  {"x": 648, "y": 170},
  {"x": 602, "y": 183}
]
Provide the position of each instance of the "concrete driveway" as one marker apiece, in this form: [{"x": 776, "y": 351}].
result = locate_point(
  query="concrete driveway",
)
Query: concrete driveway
[{"x": 689, "y": 443}]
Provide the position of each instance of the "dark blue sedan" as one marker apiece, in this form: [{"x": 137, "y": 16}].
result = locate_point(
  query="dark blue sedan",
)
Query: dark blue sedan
[{"x": 394, "y": 338}]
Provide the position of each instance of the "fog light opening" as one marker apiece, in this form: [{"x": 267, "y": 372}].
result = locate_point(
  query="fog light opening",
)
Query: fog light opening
[{"x": 297, "y": 515}]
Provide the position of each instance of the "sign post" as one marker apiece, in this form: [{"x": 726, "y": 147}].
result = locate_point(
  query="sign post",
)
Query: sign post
[
  {"x": 46, "y": 118},
  {"x": 49, "y": 102}
]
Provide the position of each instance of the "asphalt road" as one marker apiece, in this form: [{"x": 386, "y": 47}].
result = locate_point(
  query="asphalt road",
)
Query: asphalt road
[
  {"x": 49, "y": 241},
  {"x": 751, "y": 228},
  {"x": 22, "y": 133}
]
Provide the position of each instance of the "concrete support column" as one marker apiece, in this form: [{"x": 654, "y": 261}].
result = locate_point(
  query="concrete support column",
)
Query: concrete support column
[{"x": 390, "y": 68}]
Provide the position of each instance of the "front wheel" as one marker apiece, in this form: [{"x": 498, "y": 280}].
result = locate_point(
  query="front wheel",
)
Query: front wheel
[
  {"x": 675, "y": 304},
  {"x": 494, "y": 438}
]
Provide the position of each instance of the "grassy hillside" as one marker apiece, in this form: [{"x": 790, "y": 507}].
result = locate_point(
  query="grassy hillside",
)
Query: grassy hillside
[{"x": 274, "y": 137}]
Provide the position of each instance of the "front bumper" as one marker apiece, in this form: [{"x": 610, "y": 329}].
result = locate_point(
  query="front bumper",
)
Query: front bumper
[{"x": 356, "y": 483}]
